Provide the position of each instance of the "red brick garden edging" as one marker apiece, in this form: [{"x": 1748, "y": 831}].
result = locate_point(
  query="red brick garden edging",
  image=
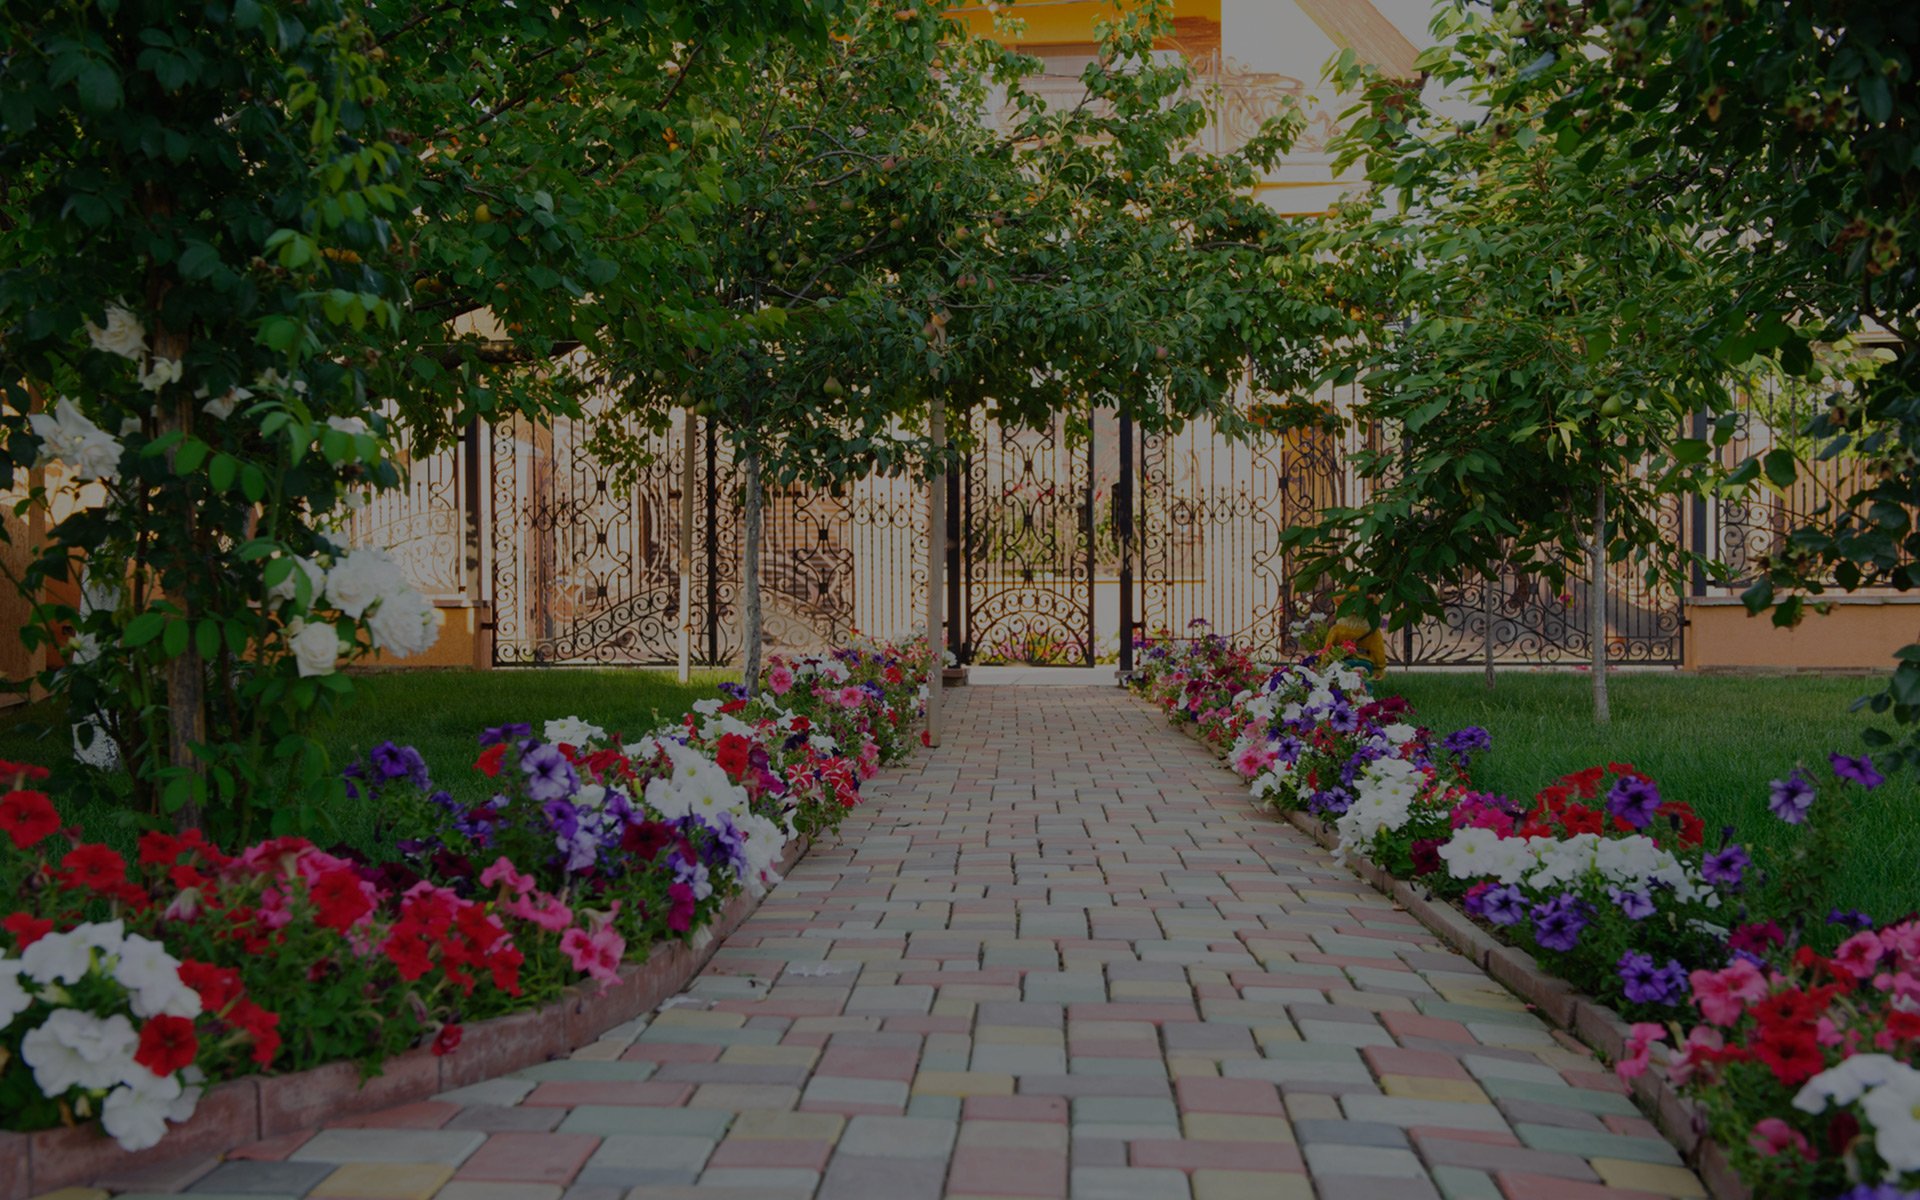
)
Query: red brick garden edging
[{"x": 245, "y": 1110}]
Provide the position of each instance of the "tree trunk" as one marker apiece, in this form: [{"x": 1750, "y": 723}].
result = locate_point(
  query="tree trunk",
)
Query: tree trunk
[
  {"x": 936, "y": 567},
  {"x": 186, "y": 672},
  {"x": 750, "y": 615},
  {"x": 1597, "y": 606}
]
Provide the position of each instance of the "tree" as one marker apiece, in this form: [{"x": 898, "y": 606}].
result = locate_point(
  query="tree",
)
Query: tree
[
  {"x": 249, "y": 250},
  {"x": 1528, "y": 324},
  {"x": 1797, "y": 126}
]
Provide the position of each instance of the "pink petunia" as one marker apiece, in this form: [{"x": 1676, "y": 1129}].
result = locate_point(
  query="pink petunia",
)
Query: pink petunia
[
  {"x": 1722, "y": 995},
  {"x": 503, "y": 871},
  {"x": 1860, "y": 954},
  {"x": 1252, "y": 759},
  {"x": 597, "y": 954},
  {"x": 1701, "y": 1038},
  {"x": 1772, "y": 1137},
  {"x": 779, "y": 679},
  {"x": 1640, "y": 1042},
  {"x": 548, "y": 912}
]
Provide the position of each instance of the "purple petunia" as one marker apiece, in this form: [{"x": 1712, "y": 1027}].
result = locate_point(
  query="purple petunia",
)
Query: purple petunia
[
  {"x": 1852, "y": 918},
  {"x": 1791, "y": 798},
  {"x": 1464, "y": 743},
  {"x": 1558, "y": 922},
  {"x": 1331, "y": 802},
  {"x": 1645, "y": 983},
  {"x": 1634, "y": 800},
  {"x": 1859, "y": 770},
  {"x": 549, "y": 775},
  {"x": 506, "y": 733},
  {"x": 1637, "y": 906},
  {"x": 1878, "y": 1191},
  {"x": 1726, "y": 865},
  {"x": 1504, "y": 905},
  {"x": 1341, "y": 718}
]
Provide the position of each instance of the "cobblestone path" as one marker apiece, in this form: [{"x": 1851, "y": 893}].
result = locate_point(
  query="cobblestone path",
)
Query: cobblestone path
[{"x": 1059, "y": 957}]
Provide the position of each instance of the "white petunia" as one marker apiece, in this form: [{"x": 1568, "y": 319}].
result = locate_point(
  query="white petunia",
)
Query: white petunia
[
  {"x": 72, "y": 1049},
  {"x": 135, "y": 1113},
  {"x": 152, "y": 975},
  {"x": 1469, "y": 853},
  {"x": 14, "y": 998},
  {"x": 1848, "y": 1081},
  {"x": 573, "y": 731},
  {"x": 123, "y": 335},
  {"x": 1893, "y": 1109},
  {"x": 57, "y": 958}
]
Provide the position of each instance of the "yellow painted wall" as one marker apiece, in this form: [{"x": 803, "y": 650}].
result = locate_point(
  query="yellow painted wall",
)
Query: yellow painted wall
[
  {"x": 1858, "y": 634},
  {"x": 1071, "y": 22}
]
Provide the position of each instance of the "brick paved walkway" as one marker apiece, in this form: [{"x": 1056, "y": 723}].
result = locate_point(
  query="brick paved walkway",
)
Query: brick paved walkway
[{"x": 1061, "y": 956}]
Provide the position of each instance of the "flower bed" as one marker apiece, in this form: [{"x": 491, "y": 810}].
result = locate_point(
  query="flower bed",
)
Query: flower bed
[
  {"x": 1796, "y": 1028},
  {"x": 128, "y": 988}
]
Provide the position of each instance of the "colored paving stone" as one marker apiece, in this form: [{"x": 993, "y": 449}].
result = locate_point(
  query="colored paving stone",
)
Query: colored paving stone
[{"x": 1059, "y": 957}]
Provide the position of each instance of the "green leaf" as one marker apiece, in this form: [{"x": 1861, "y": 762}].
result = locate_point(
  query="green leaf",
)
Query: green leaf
[
  {"x": 144, "y": 628},
  {"x": 1780, "y": 467},
  {"x": 221, "y": 473},
  {"x": 174, "y": 642}
]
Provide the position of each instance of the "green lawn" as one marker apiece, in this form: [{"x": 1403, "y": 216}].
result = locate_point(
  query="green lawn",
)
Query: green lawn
[
  {"x": 439, "y": 712},
  {"x": 1713, "y": 741}
]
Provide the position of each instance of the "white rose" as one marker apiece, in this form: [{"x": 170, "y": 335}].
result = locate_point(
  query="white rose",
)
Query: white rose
[
  {"x": 124, "y": 335},
  {"x": 352, "y": 425},
  {"x": 315, "y": 646},
  {"x": 67, "y": 436},
  {"x": 405, "y": 623},
  {"x": 160, "y": 372},
  {"x": 288, "y": 589},
  {"x": 361, "y": 578},
  {"x": 221, "y": 407}
]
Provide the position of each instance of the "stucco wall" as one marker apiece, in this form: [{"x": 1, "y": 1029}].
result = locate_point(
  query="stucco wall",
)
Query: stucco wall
[{"x": 1859, "y": 633}]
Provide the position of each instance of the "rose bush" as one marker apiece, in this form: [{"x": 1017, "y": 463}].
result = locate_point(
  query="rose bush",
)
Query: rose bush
[
  {"x": 1800, "y": 1057},
  {"x": 126, "y": 986}
]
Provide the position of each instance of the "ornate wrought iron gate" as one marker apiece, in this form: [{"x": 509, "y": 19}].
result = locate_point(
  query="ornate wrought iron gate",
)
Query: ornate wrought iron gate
[
  {"x": 1060, "y": 550},
  {"x": 1029, "y": 547}
]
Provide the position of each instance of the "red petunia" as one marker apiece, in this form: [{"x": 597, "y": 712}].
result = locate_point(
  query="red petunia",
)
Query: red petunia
[
  {"x": 407, "y": 949},
  {"x": 27, "y": 817},
  {"x": 340, "y": 899},
  {"x": 218, "y": 986},
  {"x": 94, "y": 867},
  {"x": 447, "y": 1040},
  {"x": 263, "y": 1026},
  {"x": 25, "y": 928},
  {"x": 167, "y": 1044},
  {"x": 646, "y": 839},
  {"x": 488, "y": 763},
  {"x": 1793, "y": 1056},
  {"x": 1579, "y": 819},
  {"x": 159, "y": 849},
  {"x": 21, "y": 773},
  {"x": 732, "y": 754}
]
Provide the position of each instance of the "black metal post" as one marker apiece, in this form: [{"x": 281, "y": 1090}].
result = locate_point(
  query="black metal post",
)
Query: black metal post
[
  {"x": 1093, "y": 548},
  {"x": 1123, "y": 527},
  {"x": 1699, "y": 531},
  {"x": 956, "y": 612}
]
